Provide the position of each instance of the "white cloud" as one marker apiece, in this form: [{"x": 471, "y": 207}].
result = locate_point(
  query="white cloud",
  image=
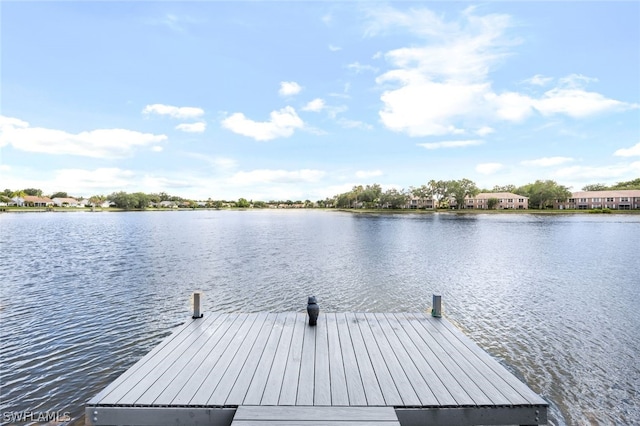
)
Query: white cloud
[
  {"x": 358, "y": 68},
  {"x": 334, "y": 48},
  {"x": 634, "y": 151},
  {"x": 315, "y": 105},
  {"x": 484, "y": 131},
  {"x": 282, "y": 124},
  {"x": 354, "y": 124},
  {"x": 263, "y": 176},
  {"x": 451, "y": 144},
  {"x": 198, "y": 127},
  {"x": 539, "y": 80},
  {"x": 289, "y": 88},
  {"x": 363, "y": 174},
  {"x": 577, "y": 103},
  {"x": 174, "y": 111},
  {"x": 100, "y": 143},
  {"x": 441, "y": 84},
  {"x": 489, "y": 168},
  {"x": 547, "y": 161},
  {"x": 157, "y": 148},
  {"x": 587, "y": 174},
  {"x": 92, "y": 182}
]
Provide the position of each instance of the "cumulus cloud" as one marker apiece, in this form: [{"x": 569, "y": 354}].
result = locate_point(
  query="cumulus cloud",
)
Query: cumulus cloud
[
  {"x": 334, "y": 48},
  {"x": 484, "y": 131},
  {"x": 174, "y": 111},
  {"x": 634, "y": 151},
  {"x": 282, "y": 123},
  {"x": 451, "y": 144},
  {"x": 363, "y": 174},
  {"x": 358, "y": 68},
  {"x": 289, "y": 88},
  {"x": 315, "y": 105},
  {"x": 262, "y": 176},
  {"x": 591, "y": 173},
  {"x": 489, "y": 168},
  {"x": 100, "y": 143},
  {"x": 441, "y": 84},
  {"x": 547, "y": 161},
  {"x": 539, "y": 80},
  {"x": 198, "y": 127}
]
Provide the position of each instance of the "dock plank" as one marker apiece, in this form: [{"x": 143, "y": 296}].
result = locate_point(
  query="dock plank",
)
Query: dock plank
[
  {"x": 175, "y": 377},
  {"x": 259, "y": 380},
  {"x": 228, "y": 380},
  {"x": 435, "y": 385},
  {"x": 424, "y": 395},
  {"x": 274, "y": 383},
  {"x": 441, "y": 373},
  {"x": 370, "y": 382},
  {"x": 316, "y": 414},
  {"x": 339, "y": 393},
  {"x": 475, "y": 368},
  {"x": 450, "y": 362},
  {"x": 397, "y": 371},
  {"x": 385, "y": 379},
  {"x": 322, "y": 380},
  {"x": 229, "y": 328},
  {"x": 355, "y": 388},
  {"x": 240, "y": 387},
  {"x": 306, "y": 378},
  {"x": 291, "y": 375},
  {"x": 224, "y": 359},
  {"x": 506, "y": 377},
  {"x": 143, "y": 374}
]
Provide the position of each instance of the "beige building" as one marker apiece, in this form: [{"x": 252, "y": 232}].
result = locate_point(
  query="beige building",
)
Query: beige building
[
  {"x": 506, "y": 200},
  {"x": 616, "y": 200}
]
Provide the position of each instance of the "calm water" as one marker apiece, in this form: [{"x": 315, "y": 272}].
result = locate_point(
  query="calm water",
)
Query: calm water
[{"x": 555, "y": 299}]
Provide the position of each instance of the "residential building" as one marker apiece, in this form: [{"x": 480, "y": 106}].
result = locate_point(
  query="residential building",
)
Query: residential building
[
  {"x": 32, "y": 201},
  {"x": 616, "y": 200},
  {"x": 506, "y": 200},
  {"x": 66, "y": 202}
]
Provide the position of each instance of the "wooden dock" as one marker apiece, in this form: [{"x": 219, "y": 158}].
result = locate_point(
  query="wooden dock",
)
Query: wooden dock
[{"x": 267, "y": 368}]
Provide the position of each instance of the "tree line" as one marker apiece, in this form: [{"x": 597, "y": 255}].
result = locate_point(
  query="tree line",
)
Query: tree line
[{"x": 541, "y": 194}]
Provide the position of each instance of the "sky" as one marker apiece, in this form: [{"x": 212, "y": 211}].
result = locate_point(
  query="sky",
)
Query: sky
[{"x": 277, "y": 100}]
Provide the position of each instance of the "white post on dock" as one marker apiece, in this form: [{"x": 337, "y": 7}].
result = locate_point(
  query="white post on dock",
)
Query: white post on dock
[
  {"x": 195, "y": 301},
  {"x": 436, "y": 310}
]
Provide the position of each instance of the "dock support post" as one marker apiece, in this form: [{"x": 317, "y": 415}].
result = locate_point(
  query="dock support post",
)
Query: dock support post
[
  {"x": 436, "y": 310},
  {"x": 196, "y": 305}
]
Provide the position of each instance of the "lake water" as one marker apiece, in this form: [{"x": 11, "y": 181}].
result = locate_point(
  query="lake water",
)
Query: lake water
[{"x": 556, "y": 299}]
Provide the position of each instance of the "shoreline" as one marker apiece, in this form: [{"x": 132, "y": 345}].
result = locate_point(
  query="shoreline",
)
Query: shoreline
[{"x": 353, "y": 211}]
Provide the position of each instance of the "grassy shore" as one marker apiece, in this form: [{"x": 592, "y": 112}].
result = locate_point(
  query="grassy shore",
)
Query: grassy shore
[{"x": 479, "y": 211}]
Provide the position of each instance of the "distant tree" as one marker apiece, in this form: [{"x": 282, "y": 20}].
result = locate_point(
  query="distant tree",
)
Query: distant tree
[
  {"x": 492, "y": 203},
  {"x": 259, "y": 204},
  {"x": 243, "y": 203},
  {"x": 504, "y": 188},
  {"x": 441, "y": 191},
  {"x": 7, "y": 193},
  {"x": 632, "y": 184},
  {"x": 20, "y": 193},
  {"x": 541, "y": 193},
  {"x": 59, "y": 195},
  {"x": 33, "y": 192},
  {"x": 218, "y": 204},
  {"x": 595, "y": 187},
  {"x": 461, "y": 189},
  {"x": 394, "y": 199}
]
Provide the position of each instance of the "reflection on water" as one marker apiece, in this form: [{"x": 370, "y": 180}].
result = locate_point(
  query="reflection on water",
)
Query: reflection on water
[{"x": 85, "y": 295}]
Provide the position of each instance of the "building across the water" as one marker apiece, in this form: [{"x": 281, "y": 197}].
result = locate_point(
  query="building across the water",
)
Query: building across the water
[{"x": 615, "y": 200}]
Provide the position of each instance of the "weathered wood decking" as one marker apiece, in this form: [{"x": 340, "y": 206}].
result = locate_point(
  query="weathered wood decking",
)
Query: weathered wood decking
[{"x": 423, "y": 367}]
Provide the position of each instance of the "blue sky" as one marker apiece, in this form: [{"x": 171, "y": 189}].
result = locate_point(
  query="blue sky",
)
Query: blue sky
[{"x": 304, "y": 100}]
